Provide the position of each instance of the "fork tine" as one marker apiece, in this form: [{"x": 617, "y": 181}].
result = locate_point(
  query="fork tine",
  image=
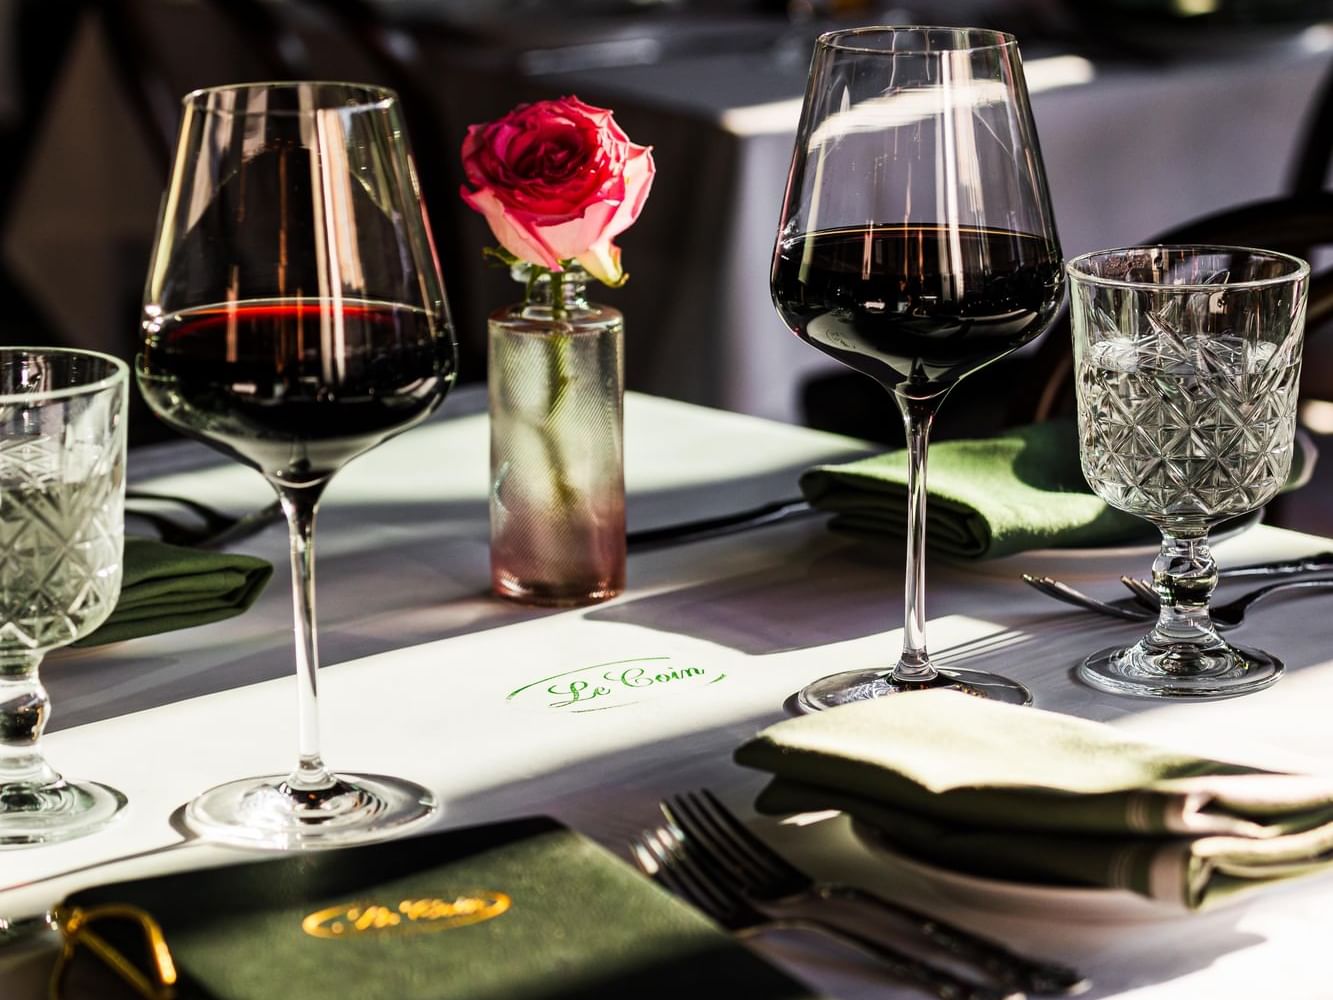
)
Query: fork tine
[
  {"x": 1143, "y": 592},
  {"x": 677, "y": 873},
  {"x": 659, "y": 866},
  {"x": 690, "y": 874},
  {"x": 1063, "y": 592},
  {"x": 1058, "y": 590},
  {"x": 700, "y": 833},
  {"x": 773, "y": 874},
  {"x": 744, "y": 836}
]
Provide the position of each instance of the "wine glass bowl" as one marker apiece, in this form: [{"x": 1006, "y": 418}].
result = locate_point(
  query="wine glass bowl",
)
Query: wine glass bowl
[
  {"x": 62, "y": 503},
  {"x": 1187, "y": 362},
  {"x": 294, "y": 315},
  {"x": 916, "y": 245},
  {"x": 294, "y": 318}
]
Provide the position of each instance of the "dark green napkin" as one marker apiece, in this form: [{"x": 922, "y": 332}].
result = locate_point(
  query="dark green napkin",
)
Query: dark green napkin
[
  {"x": 512, "y": 911},
  {"x": 166, "y": 587},
  {"x": 1019, "y": 793},
  {"x": 991, "y": 497}
]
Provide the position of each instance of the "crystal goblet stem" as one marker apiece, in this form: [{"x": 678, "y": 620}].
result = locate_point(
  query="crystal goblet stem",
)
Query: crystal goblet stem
[{"x": 300, "y": 506}]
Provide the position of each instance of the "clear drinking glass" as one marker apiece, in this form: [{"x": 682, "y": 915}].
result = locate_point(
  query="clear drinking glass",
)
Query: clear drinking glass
[
  {"x": 1187, "y": 361},
  {"x": 295, "y": 317},
  {"x": 62, "y": 515},
  {"x": 916, "y": 245}
]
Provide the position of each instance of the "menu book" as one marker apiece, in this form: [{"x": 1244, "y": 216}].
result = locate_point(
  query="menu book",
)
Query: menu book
[{"x": 521, "y": 909}]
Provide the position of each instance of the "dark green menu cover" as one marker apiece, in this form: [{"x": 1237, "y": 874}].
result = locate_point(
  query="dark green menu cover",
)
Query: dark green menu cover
[{"x": 521, "y": 910}]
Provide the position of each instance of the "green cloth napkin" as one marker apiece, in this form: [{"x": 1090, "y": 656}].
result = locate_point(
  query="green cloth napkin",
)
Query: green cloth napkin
[
  {"x": 166, "y": 587},
  {"x": 1019, "y": 793},
  {"x": 508, "y": 911},
  {"x": 988, "y": 498}
]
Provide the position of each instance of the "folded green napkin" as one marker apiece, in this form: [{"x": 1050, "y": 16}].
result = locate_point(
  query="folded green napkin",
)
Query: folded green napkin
[
  {"x": 988, "y": 498},
  {"x": 166, "y": 587},
  {"x": 1019, "y": 793},
  {"x": 508, "y": 911}
]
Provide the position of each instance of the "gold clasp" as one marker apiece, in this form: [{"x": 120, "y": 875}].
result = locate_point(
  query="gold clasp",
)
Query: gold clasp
[{"x": 76, "y": 929}]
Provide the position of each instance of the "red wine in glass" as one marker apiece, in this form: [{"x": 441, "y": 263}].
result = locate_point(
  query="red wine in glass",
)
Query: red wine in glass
[
  {"x": 917, "y": 306},
  {"x": 251, "y": 379}
]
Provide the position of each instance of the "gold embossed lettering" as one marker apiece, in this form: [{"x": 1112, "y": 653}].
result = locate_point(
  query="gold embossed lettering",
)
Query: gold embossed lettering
[{"x": 408, "y": 916}]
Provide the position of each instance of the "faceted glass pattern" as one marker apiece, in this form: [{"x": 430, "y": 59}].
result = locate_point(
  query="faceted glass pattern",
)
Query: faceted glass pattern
[
  {"x": 1188, "y": 427},
  {"x": 1187, "y": 362},
  {"x": 60, "y": 539}
]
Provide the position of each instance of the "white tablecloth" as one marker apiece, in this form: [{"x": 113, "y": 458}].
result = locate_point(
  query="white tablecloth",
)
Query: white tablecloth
[{"x": 429, "y": 677}]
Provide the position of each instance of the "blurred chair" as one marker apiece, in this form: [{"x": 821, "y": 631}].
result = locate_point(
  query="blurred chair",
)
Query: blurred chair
[
  {"x": 43, "y": 32},
  {"x": 1310, "y": 170},
  {"x": 1293, "y": 224},
  {"x": 278, "y": 50}
]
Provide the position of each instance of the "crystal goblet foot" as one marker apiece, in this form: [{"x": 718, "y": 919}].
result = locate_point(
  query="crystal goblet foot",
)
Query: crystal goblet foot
[
  {"x": 1183, "y": 656},
  {"x": 37, "y": 805}
]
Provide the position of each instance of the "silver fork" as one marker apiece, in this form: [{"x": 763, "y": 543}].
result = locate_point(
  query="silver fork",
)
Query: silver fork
[
  {"x": 767, "y": 878},
  {"x": 666, "y": 859},
  {"x": 1128, "y": 608},
  {"x": 214, "y": 528},
  {"x": 1231, "y": 613}
]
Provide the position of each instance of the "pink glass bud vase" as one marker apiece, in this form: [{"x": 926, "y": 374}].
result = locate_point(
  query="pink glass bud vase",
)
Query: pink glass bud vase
[{"x": 557, "y": 499}]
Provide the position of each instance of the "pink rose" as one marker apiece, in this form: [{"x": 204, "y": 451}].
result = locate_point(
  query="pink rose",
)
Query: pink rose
[{"x": 558, "y": 180}]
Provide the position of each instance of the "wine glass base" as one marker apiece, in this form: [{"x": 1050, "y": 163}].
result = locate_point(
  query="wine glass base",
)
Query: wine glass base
[
  {"x": 863, "y": 685},
  {"x": 47, "y": 814},
  {"x": 268, "y": 813},
  {"x": 1223, "y": 672}
]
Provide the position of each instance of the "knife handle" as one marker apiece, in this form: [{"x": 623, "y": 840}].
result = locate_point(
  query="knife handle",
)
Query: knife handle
[{"x": 1320, "y": 563}]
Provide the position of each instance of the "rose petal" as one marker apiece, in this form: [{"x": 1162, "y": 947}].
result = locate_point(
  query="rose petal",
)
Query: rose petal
[
  {"x": 638, "y": 181},
  {"x": 603, "y": 263},
  {"x": 523, "y": 241},
  {"x": 569, "y": 239}
]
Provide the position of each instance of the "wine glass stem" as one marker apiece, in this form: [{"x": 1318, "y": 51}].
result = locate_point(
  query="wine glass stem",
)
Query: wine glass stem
[
  {"x": 914, "y": 665},
  {"x": 299, "y": 504},
  {"x": 1184, "y": 576},
  {"x": 23, "y": 710}
]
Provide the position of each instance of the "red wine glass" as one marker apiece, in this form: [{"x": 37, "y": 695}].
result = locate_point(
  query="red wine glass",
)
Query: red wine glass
[
  {"x": 295, "y": 317},
  {"x": 916, "y": 246}
]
